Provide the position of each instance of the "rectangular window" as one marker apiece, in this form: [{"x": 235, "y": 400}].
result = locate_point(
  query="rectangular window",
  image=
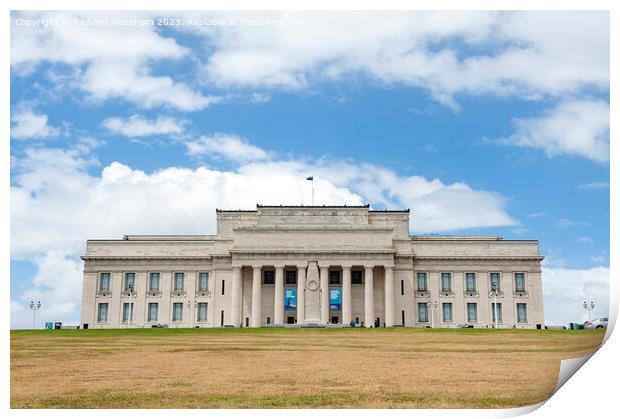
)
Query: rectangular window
[
  {"x": 521, "y": 312},
  {"x": 102, "y": 312},
  {"x": 497, "y": 310},
  {"x": 402, "y": 287},
  {"x": 446, "y": 281},
  {"x": 447, "y": 312},
  {"x": 422, "y": 281},
  {"x": 202, "y": 312},
  {"x": 495, "y": 282},
  {"x": 472, "y": 312},
  {"x": 154, "y": 282},
  {"x": 177, "y": 312},
  {"x": 130, "y": 279},
  {"x": 291, "y": 277},
  {"x": 223, "y": 287},
  {"x": 203, "y": 281},
  {"x": 422, "y": 312},
  {"x": 127, "y": 312},
  {"x": 179, "y": 281},
  {"x": 334, "y": 277},
  {"x": 470, "y": 282},
  {"x": 268, "y": 277},
  {"x": 104, "y": 281},
  {"x": 152, "y": 314},
  {"x": 356, "y": 277},
  {"x": 519, "y": 282}
]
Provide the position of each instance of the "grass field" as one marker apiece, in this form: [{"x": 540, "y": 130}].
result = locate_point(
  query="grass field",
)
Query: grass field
[{"x": 289, "y": 368}]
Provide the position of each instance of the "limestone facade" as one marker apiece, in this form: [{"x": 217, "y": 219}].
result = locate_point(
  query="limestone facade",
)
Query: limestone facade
[{"x": 288, "y": 265}]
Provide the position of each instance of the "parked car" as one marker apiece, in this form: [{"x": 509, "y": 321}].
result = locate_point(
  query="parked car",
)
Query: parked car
[{"x": 597, "y": 323}]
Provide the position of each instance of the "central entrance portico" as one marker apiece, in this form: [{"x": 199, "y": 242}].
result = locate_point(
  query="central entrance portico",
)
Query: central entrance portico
[{"x": 261, "y": 303}]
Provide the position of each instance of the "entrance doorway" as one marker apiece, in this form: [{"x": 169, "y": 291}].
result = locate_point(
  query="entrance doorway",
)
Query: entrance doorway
[
  {"x": 334, "y": 319},
  {"x": 290, "y": 320}
]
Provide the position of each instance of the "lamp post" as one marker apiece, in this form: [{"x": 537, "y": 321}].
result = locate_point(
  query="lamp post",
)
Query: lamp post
[
  {"x": 589, "y": 308},
  {"x": 34, "y": 307},
  {"x": 432, "y": 309},
  {"x": 494, "y": 294},
  {"x": 129, "y": 307},
  {"x": 191, "y": 304}
]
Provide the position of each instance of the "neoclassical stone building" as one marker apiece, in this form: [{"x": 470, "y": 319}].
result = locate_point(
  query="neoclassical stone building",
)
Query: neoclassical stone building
[{"x": 296, "y": 265}]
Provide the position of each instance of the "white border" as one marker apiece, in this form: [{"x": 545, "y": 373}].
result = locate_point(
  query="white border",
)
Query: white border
[{"x": 589, "y": 394}]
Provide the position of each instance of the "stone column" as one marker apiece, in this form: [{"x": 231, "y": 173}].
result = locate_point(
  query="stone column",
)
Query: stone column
[
  {"x": 369, "y": 296},
  {"x": 235, "y": 297},
  {"x": 301, "y": 286},
  {"x": 388, "y": 280},
  {"x": 324, "y": 293},
  {"x": 255, "y": 321},
  {"x": 346, "y": 294},
  {"x": 278, "y": 302}
]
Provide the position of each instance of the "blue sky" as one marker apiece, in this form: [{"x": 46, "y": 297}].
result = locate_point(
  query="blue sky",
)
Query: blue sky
[{"x": 481, "y": 123}]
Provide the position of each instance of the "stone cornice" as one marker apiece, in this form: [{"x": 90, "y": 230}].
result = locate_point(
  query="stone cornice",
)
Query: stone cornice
[
  {"x": 263, "y": 251},
  {"x": 477, "y": 257}
]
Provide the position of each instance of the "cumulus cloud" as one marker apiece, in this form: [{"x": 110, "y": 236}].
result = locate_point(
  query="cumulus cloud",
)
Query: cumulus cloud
[
  {"x": 565, "y": 290},
  {"x": 418, "y": 49},
  {"x": 29, "y": 125},
  {"x": 58, "y": 285},
  {"x": 578, "y": 128},
  {"x": 110, "y": 62},
  {"x": 228, "y": 146},
  {"x": 137, "y": 126}
]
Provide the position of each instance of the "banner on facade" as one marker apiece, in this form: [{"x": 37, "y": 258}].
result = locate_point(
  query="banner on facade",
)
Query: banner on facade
[
  {"x": 335, "y": 299},
  {"x": 290, "y": 299}
]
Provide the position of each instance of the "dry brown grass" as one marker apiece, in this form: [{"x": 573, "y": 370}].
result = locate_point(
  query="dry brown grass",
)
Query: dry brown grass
[{"x": 329, "y": 368}]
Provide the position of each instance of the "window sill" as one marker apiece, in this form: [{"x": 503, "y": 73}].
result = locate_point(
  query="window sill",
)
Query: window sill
[
  {"x": 523, "y": 294},
  {"x": 471, "y": 294},
  {"x": 153, "y": 294},
  {"x": 178, "y": 293},
  {"x": 500, "y": 294},
  {"x": 422, "y": 294},
  {"x": 203, "y": 293},
  {"x": 104, "y": 294},
  {"x": 446, "y": 294}
]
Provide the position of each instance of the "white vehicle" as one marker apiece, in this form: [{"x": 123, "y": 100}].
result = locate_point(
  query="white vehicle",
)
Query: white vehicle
[{"x": 597, "y": 324}]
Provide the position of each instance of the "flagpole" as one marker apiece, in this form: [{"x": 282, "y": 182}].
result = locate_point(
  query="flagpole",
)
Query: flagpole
[{"x": 312, "y": 190}]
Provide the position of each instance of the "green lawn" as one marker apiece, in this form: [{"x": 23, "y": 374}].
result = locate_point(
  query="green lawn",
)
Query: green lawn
[{"x": 285, "y": 368}]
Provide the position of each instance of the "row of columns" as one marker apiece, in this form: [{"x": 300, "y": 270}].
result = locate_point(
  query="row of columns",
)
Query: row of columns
[{"x": 369, "y": 303}]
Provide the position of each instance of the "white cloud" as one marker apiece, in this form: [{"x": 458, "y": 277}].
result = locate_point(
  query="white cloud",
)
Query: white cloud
[
  {"x": 586, "y": 240},
  {"x": 228, "y": 146},
  {"x": 594, "y": 185},
  {"x": 565, "y": 290},
  {"x": 137, "y": 126},
  {"x": 57, "y": 285},
  {"x": 578, "y": 128},
  {"x": 108, "y": 62},
  {"x": 421, "y": 49},
  {"x": 30, "y": 125}
]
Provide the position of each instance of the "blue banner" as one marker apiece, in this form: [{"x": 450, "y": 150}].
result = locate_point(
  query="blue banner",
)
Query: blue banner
[
  {"x": 335, "y": 299},
  {"x": 290, "y": 299}
]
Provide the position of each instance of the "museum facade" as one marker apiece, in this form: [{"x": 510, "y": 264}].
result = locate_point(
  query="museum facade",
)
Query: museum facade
[{"x": 318, "y": 265}]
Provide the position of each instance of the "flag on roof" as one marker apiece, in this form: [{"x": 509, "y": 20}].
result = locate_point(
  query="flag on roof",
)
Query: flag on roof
[{"x": 310, "y": 178}]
